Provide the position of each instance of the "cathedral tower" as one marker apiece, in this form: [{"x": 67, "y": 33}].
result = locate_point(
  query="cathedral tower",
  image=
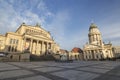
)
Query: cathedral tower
[
  {"x": 96, "y": 49},
  {"x": 94, "y": 35}
]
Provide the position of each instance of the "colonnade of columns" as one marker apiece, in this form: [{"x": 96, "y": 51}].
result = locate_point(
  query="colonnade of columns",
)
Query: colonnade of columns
[
  {"x": 37, "y": 47},
  {"x": 97, "y": 54},
  {"x": 93, "y": 54}
]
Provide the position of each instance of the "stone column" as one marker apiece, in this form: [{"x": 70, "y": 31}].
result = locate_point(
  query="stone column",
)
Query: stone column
[
  {"x": 34, "y": 47},
  {"x": 84, "y": 53},
  {"x": 95, "y": 54},
  {"x": 90, "y": 54},
  {"x": 42, "y": 47},
  {"x": 92, "y": 38},
  {"x": 95, "y": 37},
  {"x": 111, "y": 53},
  {"x": 47, "y": 44},
  {"x": 37, "y": 48},
  {"x": 45, "y": 48},
  {"x": 99, "y": 54},
  {"x": 31, "y": 44},
  {"x": 24, "y": 44}
]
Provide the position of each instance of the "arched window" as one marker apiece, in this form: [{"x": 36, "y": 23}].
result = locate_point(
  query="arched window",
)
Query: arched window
[
  {"x": 12, "y": 49},
  {"x": 9, "y": 48},
  {"x": 76, "y": 57},
  {"x": 89, "y": 56},
  {"x": 16, "y": 49},
  {"x": 11, "y": 56},
  {"x": 101, "y": 56},
  {"x": 97, "y": 56}
]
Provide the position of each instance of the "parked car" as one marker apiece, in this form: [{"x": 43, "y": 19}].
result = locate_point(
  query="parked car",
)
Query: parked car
[{"x": 2, "y": 54}]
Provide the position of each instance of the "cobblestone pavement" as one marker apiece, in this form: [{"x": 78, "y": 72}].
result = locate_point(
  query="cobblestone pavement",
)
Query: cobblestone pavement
[{"x": 77, "y": 70}]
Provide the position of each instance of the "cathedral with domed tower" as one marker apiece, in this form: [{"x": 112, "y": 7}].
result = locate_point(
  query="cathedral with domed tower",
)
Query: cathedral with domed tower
[{"x": 96, "y": 49}]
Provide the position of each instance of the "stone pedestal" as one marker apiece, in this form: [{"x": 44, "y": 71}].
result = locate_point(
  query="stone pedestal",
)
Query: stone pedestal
[{"x": 25, "y": 57}]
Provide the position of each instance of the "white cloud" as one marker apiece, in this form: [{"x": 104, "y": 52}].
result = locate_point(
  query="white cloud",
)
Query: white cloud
[
  {"x": 41, "y": 5},
  {"x": 58, "y": 22},
  {"x": 8, "y": 14},
  {"x": 111, "y": 32},
  {"x": 13, "y": 14},
  {"x": 12, "y": 17}
]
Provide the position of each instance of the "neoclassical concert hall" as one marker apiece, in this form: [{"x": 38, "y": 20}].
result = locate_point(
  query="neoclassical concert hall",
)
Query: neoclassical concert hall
[{"x": 34, "y": 39}]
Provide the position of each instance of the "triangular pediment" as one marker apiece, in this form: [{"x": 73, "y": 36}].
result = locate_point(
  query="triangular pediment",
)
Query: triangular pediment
[{"x": 35, "y": 31}]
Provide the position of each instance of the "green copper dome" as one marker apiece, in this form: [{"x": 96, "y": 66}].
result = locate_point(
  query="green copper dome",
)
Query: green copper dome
[
  {"x": 93, "y": 26},
  {"x": 93, "y": 29}
]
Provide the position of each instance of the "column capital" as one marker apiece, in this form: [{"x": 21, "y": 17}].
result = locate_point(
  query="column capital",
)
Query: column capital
[
  {"x": 31, "y": 39},
  {"x": 42, "y": 41},
  {"x": 24, "y": 37},
  {"x": 37, "y": 41}
]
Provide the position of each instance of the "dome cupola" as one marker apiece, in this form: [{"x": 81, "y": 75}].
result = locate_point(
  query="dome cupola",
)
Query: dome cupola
[
  {"x": 93, "y": 26},
  {"x": 93, "y": 29},
  {"x": 94, "y": 34}
]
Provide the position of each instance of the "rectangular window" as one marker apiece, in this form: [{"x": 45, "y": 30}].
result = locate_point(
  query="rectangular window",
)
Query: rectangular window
[
  {"x": 11, "y": 41},
  {"x": 17, "y": 41},
  {"x": 16, "y": 49},
  {"x": 9, "y": 48},
  {"x": 14, "y": 41}
]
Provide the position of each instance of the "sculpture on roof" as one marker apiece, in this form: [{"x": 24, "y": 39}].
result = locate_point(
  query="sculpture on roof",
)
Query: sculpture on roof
[{"x": 38, "y": 25}]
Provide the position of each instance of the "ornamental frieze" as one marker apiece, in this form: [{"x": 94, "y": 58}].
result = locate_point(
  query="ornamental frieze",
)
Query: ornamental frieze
[{"x": 33, "y": 32}]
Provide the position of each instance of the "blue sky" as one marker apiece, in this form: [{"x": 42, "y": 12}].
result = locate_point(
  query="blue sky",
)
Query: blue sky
[{"x": 67, "y": 20}]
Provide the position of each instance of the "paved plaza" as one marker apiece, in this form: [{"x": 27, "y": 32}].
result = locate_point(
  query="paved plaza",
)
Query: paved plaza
[{"x": 50, "y": 70}]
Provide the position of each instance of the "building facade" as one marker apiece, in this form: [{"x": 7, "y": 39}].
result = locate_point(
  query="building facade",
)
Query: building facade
[
  {"x": 76, "y": 54},
  {"x": 116, "y": 51},
  {"x": 34, "y": 39},
  {"x": 96, "y": 49}
]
